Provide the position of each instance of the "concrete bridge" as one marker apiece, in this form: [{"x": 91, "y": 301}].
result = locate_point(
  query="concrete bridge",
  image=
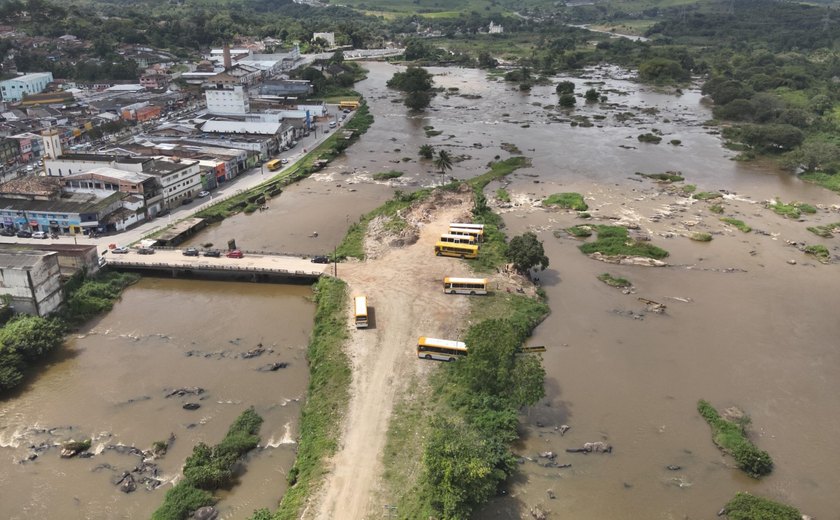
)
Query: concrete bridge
[{"x": 255, "y": 267}]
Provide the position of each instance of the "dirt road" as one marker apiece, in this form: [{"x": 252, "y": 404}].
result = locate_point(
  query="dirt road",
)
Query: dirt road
[{"x": 404, "y": 291}]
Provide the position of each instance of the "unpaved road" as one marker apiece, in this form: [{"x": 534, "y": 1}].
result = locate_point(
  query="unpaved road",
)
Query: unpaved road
[{"x": 404, "y": 291}]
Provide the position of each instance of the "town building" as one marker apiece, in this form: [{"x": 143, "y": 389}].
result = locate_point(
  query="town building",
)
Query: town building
[
  {"x": 16, "y": 88},
  {"x": 179, "y": 179},
  {"x": 227, "y": 101},
  {"x": 286, "y": 87},
  {"x": 155, "y": 81},
  {"x": 31, "y": 281}
]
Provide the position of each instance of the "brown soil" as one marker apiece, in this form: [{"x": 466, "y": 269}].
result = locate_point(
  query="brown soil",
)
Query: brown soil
[{"x": 406, "y": 301}]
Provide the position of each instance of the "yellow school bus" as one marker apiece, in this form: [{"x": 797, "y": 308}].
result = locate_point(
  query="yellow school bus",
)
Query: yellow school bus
[
  {"x": 361, "y": 312},
  {"x": 452, "y": 285},
  {"x": 457, "y": 250}
]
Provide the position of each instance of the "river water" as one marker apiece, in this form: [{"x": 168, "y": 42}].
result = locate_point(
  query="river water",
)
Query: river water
[{"x": 759, "y": 339}]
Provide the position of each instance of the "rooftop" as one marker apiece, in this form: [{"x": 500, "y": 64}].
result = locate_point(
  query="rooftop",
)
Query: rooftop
[
  {"x": 114, "y": 173},
  {"x": 20, "y": 259},
  {"x": 34, "y": 185},
  {"x": 241, "y": 127},
  {"x": 68, "y": 203},
  {"x": 164, "y": 168}
]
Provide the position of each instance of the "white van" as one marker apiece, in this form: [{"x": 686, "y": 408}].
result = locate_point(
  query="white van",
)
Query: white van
[{"x": 39, "y": 234}]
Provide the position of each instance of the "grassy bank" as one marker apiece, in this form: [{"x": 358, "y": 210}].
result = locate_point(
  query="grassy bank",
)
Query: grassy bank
[
  {"x": 328, "y": 150},
  {"x": 208, "y": 469},
  {"x": 615, "y": 240},
  {"x": 732, "y": 438},
  {"x": 449, "y": 442},
  {"x": 749, "y": 507},
  {"x": 326, "y": 398}
]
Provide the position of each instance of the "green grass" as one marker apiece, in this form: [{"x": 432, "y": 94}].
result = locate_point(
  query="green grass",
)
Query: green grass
[
  {"x": 826, "y": 231},
  {"x": 615, "y": 240},
  {"x": 716, "y": 208},
  {"x": 580, "y": 231},
  {"x": 614, "y": 281},
  {"x": 707, "y": 195},
  {"x": 688, "y": 188},
  {"x": 502, "y": 195},
  {"x": 326, "y": 398},
  {"x": 829, "y": 181},
  {"x": 384, "y": 176},
  {"x": 662, "y": 177},
  {"x": 749, "y": 507},
  {"x": 569, "y": 200},
  {"x": 701, "y": 237},
  {"x": 819, "y": 251},
  {"x": 353, "y": 243},
  {"x": 794, "y": 210},
  {"x": 732, "y": 438},
  {"x": 739, "y": 224},
  {"x": 498, "y": 170}
]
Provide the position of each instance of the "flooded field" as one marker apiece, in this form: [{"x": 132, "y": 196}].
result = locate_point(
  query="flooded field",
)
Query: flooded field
[{"x": 743, "y": 326}]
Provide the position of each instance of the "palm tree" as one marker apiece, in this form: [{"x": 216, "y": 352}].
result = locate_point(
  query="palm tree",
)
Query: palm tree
[
  {"x": 443, "y": 163},
  {"x": 427, "y": 151}
]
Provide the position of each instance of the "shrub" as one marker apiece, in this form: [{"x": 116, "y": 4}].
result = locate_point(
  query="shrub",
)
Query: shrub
[
  {"x": 566, "y": 200},
  {"x": 819, "y": 251},
  {"x": 182, "y": 500},
  {"x": 614, "y": 281},
  {"x": 701, "y": 237},
  {"x": 615, "y": 240},
  {"x": 707, "y": 195},
  {"x": 716, "y": 208},
  {"x": 794, "y": 210},
  {"x": 749, "y": 507},
  {"x": 649, "y": 138},
  {"x": 731, "y": 438},
  {"x": 384, "y": 176}
]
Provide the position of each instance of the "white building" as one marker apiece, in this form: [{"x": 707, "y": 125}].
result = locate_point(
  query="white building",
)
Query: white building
[
  {"x": 495, "y": 29},
  {"x": 31, "y": 280},
  {"x": 180, "y": 179},
  {"x": 69, "y": 164},
  {"x": 14, "y": 89},
  {"x": 327, "y": 37},
  {"x": 221, "y": 101}
]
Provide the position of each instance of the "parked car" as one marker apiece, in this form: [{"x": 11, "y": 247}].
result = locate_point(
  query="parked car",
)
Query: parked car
[
  {"x": 39, "y": 234},
  {"x": 234, "y": 253},
  {"x": 190, "y": 251},
  {"x": 145, "y": 251},
  {"x": 213, "y": 253},
  {"x": 346, "y": 110},
  {"x": 203, "y": 193},
  {"x": 320, "y": 260},
  {"x": 186, "y": 201},
  {"x": 119, "y": 250},
  {"x": 24, "y": 234},
  {"x": 284, "y": 161},
  {"x": 6, "y": 232},
  {"x": 332, "y": 124}
]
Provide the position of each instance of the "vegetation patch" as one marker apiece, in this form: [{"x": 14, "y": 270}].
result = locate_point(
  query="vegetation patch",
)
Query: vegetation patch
[
  {"x": 701, "y": 237},
  {"x": 707, "y": 195},
  {"x": 384, "y": 176},
  {"x": 580, "y": 231},
  {"x": 826, "y": 231},
  {"x": 794, "y": 210},
  {"x": 568, "y": 200},
  {"x": 326, "y": 398},
  {"x": 716, "y": 208},
  {"x": 820, "y": 252},
  {"x": 511, "y": 148},
  {"x": 826, "y": 180},
  {"x": 615, "y": 240},
  {"x": 502, "y": 195},
  {"x": 750, "y": 507},
  {"x": 732, "y": 438},
  {"x": 688, "y": 189},
  {"x": 208, "y": 469},
  {"x": 739, "y": 224},
  {"x": 614, "y": 281},
  {"x": 649, "y": 138},
  {"x": 663, "y": 177},
  {"x": 353, "y": 243}
]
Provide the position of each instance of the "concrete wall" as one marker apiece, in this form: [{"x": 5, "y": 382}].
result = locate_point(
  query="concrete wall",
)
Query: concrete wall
[{"x": 34, "y": 289}]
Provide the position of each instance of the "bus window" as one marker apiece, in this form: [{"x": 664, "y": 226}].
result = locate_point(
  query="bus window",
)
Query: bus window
[
  {"x": 457, "y": 239},
  {"x": 465, "y": 285},
  {"x": 456, "y": 250},
  {"x": 361, "y": 312},
  {"x": 440, "y": 349}
]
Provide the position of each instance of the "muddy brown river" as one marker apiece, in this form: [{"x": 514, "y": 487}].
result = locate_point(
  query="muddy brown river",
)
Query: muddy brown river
[{"x": 742, "y": 327}]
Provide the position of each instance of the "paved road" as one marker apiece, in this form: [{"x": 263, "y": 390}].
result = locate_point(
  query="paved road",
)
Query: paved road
[{"x": 243, "y": 182}]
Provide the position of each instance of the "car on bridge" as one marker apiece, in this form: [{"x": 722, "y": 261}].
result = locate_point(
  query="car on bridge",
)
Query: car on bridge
[
  {"x": 190, "y": 251},
  {"x": 24, "y": 234},
  {"x": 120, "y": 250},
  {"x": 235, "y": 253},
  {"x": 320, "y": 259},
  {"x": 212, "y": 253},
  {"x": 145, "y": 251}
]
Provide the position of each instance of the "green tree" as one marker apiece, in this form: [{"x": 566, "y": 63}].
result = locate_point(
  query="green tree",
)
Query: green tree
[
  {"x": 443, "y": 163},
  {"x": 526, "y": 252},
  {"x": 527, "y": 381},
  {"x": 565, "y": 87},
  {"x": 591, "y": 96},
  {"x": 427, "y": 151},
  {"x": 815, "y": 155},
  {"x": 663, "y": 70},
  {"x": 486, "y": 61},
  {"x": 417, "y": 99},
  {"x": 567, "y": 100},
  {"x": 31, "y": 337}
]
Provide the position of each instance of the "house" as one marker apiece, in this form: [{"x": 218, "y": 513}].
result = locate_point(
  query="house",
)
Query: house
[
  {"x": 155, "y": 81},
  {"x": 224, "y": 101}
]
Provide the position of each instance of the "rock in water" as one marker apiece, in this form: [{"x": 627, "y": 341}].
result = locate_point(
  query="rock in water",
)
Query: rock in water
[
  {"x": 191, "y": 406},
  {"x": 206, "y": 513}
]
